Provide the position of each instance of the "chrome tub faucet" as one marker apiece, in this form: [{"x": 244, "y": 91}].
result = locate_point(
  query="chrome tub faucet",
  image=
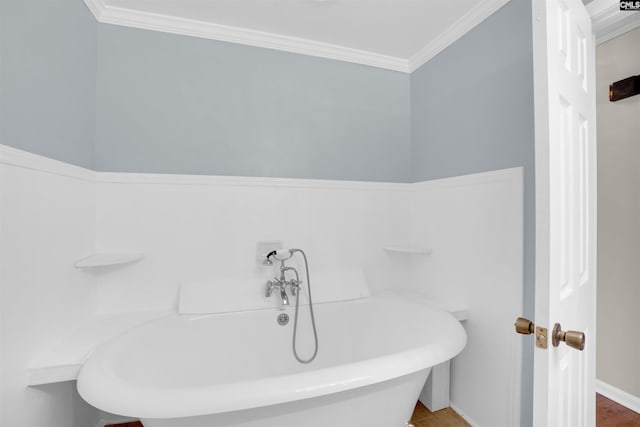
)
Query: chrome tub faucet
[{"x": 281, "y": 282}]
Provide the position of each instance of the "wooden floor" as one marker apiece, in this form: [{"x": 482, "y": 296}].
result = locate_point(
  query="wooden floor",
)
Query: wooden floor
[
  {"x": 422, "y": 417},
  {"x": 131, "y": 424},
  {"x": 610, "y": 414}
]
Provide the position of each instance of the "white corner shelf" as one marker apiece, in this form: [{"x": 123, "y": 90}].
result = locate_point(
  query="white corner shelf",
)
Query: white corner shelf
[
  {"x": 63, "y": 362},
  {"x": 107, "y": 259},
  {"x": 407, "y": 250}
]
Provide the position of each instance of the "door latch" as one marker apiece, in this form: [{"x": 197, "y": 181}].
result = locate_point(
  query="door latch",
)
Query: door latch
[{"x": 527, "y": 327}]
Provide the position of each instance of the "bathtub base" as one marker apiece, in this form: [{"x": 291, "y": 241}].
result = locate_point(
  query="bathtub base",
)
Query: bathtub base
[
  {"x": 386, "y": 404},
  {"x": 435, "y": 394}
]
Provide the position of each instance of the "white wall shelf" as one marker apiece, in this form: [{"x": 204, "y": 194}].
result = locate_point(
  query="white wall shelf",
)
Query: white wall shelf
[
  {"x": 107, "y": 259},
  {"x": 63, "y": 362},
  {"x": 407, "y": 250}
]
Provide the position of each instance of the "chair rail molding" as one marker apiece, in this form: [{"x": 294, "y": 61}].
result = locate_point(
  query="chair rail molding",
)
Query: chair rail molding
[{"x": 23, "y": 159}]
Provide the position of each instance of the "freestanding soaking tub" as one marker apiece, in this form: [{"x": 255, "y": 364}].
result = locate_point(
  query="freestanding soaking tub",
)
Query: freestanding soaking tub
[{"x": 237, "y": 369}]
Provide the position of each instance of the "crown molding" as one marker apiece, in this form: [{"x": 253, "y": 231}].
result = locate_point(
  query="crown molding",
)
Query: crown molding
[
  {"x": 462, "y": 26},
  {"x": 190, "y": 27},
  {"x": 609, "y": 21},
  {"x": 95, "y": 7}
]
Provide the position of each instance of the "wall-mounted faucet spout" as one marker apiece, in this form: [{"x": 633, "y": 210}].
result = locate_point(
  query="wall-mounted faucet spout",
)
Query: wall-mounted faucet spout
[
  {"x": 284, "y": 296},
  {"x": 281, "y": 286}
]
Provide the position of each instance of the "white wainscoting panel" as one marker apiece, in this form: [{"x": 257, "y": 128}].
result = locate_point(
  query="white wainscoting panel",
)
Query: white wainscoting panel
[
  {"x": 473, "y": 225},
  {"x": 195, "y": 228},
  {"x": 47, "y": 220},
  {"x": 204, "y": 228}
]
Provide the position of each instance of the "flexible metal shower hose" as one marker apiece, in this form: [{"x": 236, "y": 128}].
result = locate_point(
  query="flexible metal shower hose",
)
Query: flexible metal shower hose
[{"x": 313, "y": 320}]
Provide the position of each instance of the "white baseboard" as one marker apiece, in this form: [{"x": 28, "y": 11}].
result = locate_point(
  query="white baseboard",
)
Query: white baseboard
[
  {"x": 463, "y": 415},
  {"x": 621, "y": 397}
]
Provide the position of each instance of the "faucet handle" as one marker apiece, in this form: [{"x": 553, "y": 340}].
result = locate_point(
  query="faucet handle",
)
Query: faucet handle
[
  {"x": 269, "y": 288},
  {"x": 295, "y": 286}
]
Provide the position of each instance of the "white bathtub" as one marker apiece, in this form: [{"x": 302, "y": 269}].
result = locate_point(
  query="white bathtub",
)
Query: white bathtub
[{"x": 237, "y": 369}]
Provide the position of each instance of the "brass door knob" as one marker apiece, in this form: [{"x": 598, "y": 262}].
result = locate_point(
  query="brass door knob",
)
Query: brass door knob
[
  {"x": 573, "y": 339},
  {"x": 524, "y": 326}
]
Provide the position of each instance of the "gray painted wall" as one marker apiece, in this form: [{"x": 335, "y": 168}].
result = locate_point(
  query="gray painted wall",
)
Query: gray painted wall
[
  {"x": 472, "y": 111},
  {"x": 47, "y": 78},
  {"x": 618, "y": 207},
  {"x": 175, "y": 104}
]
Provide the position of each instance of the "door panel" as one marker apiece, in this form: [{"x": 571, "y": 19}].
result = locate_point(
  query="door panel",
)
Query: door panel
[{"x": 564, "y": 63}]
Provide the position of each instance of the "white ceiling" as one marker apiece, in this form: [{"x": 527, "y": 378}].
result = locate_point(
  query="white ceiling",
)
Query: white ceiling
[{"x": 393, "y": 34}]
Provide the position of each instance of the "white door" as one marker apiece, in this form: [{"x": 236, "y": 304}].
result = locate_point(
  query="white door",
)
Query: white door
[{"x": 565, "y": 146}]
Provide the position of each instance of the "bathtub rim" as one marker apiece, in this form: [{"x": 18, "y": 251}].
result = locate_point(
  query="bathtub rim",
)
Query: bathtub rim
[{"x": 99, "y": 386}]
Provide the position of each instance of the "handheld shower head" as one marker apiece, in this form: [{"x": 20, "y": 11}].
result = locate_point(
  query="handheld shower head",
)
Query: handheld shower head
[{"x": 279, "y": 255}]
